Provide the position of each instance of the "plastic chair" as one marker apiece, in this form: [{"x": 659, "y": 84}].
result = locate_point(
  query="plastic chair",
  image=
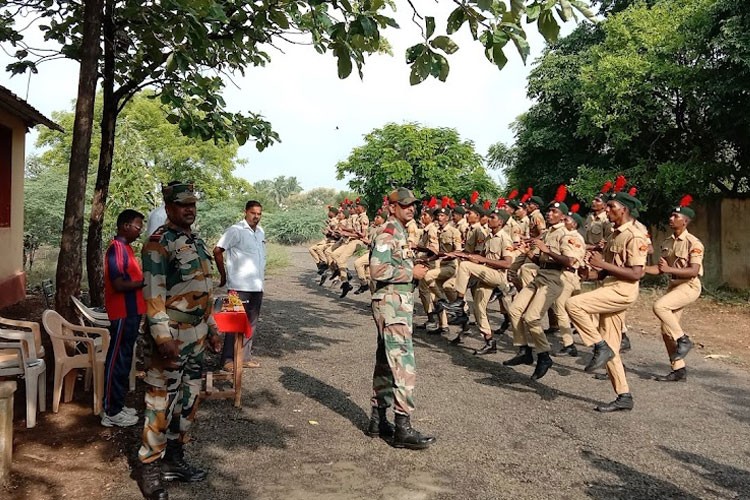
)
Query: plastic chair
[
  {"x": 21, "y": 353},
  {"x": 91, "y": 317},
  {"x": 75, "y": 347}
]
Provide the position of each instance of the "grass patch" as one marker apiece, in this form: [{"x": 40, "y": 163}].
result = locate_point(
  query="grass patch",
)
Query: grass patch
[{"x": 277, "y": 258}]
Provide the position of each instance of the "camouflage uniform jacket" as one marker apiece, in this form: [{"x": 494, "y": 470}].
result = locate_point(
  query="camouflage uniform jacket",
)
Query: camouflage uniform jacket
[
  {"x": 392, "y": 262},
  {"x": 177, "y": 274}
]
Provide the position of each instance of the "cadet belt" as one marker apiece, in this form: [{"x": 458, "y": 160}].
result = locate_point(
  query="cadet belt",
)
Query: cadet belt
[
  {"x": 551, "y": 265},
  {"x": 393, "y": 287},
  {"x": 183, "y": 317}
]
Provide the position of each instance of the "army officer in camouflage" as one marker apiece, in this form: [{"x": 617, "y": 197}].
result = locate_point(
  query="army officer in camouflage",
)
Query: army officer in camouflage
[
  {"x": 177, "y": 276},
  {"x": 392, "y": 272}
]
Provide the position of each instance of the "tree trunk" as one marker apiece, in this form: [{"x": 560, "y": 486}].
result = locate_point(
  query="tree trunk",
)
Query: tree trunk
[
  {"x": 94, "y": 257},
  {"x": 69, "y": 268}
]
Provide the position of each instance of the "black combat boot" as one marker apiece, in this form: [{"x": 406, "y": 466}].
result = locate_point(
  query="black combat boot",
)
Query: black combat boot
[
  {"x": 543, "y": 363},
  {"x": 504, "y": 326},
  {"x": 408, "y": 437},
  {"x": 455, "y": 306},
  {"x": 431, "y": 323},
  {"x": 623, "y": 402},
  {"x": 379, "y": 424},
  {"x": 602, "y": 354},
  {"x": 524, "y": 357},
  {"x": 673, "y": 376},
  {"x": 346, "y": 287},
  {"x": 440, "y": 330},
  {"x": 174, "y": 467},
  {"x": 323, "y": 277},
  {"x": 459, "y": 318},
  {"x": 570, "y": 350},
  {"x": 490, "y": 347},
  {"x": 361, "y": 289},
  {"x": 624, "y": 342},
  {"x": 684, "y": 344},
  {"x": 322, "y": 267},
  {"x": 149, "y": 481}
]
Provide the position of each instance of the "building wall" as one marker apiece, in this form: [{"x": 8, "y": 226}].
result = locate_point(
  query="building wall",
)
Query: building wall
[
  {"x": 720, "y": 225},
  {"x": 12, "y": 277}
]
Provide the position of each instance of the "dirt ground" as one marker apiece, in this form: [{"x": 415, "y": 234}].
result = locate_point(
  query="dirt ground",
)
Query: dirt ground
[{"x": 500, "y": 435}]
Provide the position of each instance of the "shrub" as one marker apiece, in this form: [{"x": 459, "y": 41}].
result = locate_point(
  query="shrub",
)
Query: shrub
[{"x": 293, "y": 227}]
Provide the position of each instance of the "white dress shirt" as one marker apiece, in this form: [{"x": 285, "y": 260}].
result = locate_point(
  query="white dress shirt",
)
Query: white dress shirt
[{"x": 244, "y": 257}]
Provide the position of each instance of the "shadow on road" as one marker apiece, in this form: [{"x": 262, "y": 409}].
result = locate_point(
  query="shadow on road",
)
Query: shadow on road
[
  {"x": 633, "y": 485},
  {"x": 725, "y": 476},
  {"x": 327, "y": 395}
]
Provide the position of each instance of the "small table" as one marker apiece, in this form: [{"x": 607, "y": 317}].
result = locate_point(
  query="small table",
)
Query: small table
[{"x": 237, "y": 324}]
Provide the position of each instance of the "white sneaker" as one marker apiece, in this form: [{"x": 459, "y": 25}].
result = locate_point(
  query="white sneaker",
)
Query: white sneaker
[
  {"x": 130, "y": 411},
  {"x": 122, "y": 419}
]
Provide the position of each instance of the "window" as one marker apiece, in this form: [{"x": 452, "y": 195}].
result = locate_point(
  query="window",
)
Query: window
[{"x": 6, "y": 174}]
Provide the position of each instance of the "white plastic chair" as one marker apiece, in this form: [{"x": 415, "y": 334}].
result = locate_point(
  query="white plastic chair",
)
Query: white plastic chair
[
  {"x": 21, "y": 353},
  {"x": 75, "y": 348}
]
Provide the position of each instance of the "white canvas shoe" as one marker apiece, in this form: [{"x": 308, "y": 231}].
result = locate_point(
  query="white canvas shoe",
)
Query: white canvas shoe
[{"x": 122, "y": 419}]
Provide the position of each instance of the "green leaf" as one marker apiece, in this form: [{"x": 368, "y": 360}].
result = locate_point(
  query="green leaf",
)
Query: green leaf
[
  {"x": 584, "y": 9},
  {"x": 444, "y": 43},
  {"x": 430, "y": 26},
  {"x": 548, "y": 26},
  {"x": 344, "y": 62},
  {"x": 443, "y": 68},
  {"x": 521, "y": 44},
  {"x": 532, "y": 12},
  {"x": 174, "y": 119},
  {"x": 455, "y": 20},
  {"x": 375, "y": 5},
  {"x": 369, "y": 28},
  {"x": 566, "y": 10},
  {"x": 421, "y": 68},
  {"x": 413, "y": 52},
  {"x": 484, "y": 4},
  {"x": 497, "y": 56},
  {"x": 279, "y": 18}
]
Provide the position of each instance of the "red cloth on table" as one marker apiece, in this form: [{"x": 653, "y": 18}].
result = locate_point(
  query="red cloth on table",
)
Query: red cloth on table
[{"x": 233, "y": 322}]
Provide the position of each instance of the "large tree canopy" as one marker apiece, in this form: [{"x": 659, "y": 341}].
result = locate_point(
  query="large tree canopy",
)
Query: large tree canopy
[{"x": 430, "y": 161}]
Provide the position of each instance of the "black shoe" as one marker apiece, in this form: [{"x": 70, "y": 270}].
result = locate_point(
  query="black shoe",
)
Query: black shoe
[
  {"x": 457, "y": 340},
  {"x": 570, "y": 350},
  {"x": 490, "y": 347},
  {"x": 524, "y": 357},
  {"x": 543, "y": 364},
  {"x": 149, "y": 481},
  {"x": 346, "y": 287},
  {"x": 323, "y": 278},
  {"x": 408, "y": 437},
  {"x": 684, "y": 344},
  {"x": 438, "y": 331},
  {"x": 455, "y": 306},
  {"x": 174, "y": 466},
  {"x": 673, "y": 376},
  {"x": 625, "y": 343},
  {"x": 440, "y": 305},
  {"x": 601, "y": 376},
  {"x": 623, "y": 402},
  {"x": 361, "y": 289},
  {"x": 379, "y": 424},
  {"x": 459, "y": 319},
  {"x": 602, "y": 354},
  {"x": 504, "y": 327},
  {"x": 495, "y": 294},
  {"x": 551, "y": 331}
]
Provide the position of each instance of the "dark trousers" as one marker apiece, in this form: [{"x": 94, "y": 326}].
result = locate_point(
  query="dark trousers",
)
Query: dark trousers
[
  {"x": 251, "y": 301},
  {"x": 123, "y": 334}
]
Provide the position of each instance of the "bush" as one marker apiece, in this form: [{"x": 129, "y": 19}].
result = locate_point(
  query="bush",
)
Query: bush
[{"x": 293, "y": 227}]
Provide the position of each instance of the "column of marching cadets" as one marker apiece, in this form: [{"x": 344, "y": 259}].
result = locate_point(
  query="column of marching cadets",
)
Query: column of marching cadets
[{"x": 531, "y": 257}]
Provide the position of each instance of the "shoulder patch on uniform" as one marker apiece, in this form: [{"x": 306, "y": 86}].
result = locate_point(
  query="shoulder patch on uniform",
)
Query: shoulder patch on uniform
[
  {"x": 696, "y": 251},
  {"x": 156, "y": 235},
  {"x": 389, "y": 230},
  {"x": 643, "y": 248}
]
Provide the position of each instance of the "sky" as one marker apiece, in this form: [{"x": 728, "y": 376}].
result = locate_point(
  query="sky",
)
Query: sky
[{"x": 321, "y": 118}]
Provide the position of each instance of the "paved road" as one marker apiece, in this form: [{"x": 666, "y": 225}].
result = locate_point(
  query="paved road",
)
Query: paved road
[{"x": 500, "y": 435}]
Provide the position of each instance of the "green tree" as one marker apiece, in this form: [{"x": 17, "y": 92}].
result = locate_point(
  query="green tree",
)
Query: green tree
[
  {"x": 279, "y": 189},
  {"x": 430, "y": 161}
]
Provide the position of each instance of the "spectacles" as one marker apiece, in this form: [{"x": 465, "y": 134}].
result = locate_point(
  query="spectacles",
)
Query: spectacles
[{"x": 137, "y": 228}]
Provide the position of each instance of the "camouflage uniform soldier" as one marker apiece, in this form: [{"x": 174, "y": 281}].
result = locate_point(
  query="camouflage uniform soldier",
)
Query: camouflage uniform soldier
[
  {"x": 392, "y": 271},
  {"x": 177, "y": 276}
]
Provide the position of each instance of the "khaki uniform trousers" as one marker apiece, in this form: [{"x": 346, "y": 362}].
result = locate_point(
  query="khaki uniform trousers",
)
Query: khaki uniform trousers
[
  {"x": 328, "y": 252},
  {"x": 341, "y": 256},
  {"x": 571, "y": 284},
  {"x": 317, "y": 251},
  {"x": 488, "y": 279},
  {"x": 526, "y": 273},
  {"x": 669, "y": 311},
  {"x": 427, "y": 296},
  {"x": 362, "y": 267},
  {"x": 610, "y": 302},
  {"x": 530, "y": 304}
]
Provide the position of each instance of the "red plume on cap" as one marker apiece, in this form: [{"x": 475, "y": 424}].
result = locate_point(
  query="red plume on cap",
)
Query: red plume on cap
[
  {"x": 530, "y": 192},
  {"x": 500, "y": 202},
  {"x": 513, "y": 194},
  {"x": 357, "y": 200},
  {"x": 487, "y": 204},
  {"x": 385, "y": 197},
  {"x": 474, "y": 197},
  {"x": 433, "y": 203},
  {"x": 525, "y": 198},
  {"x": 574, "y": 209},
  {"x": 606, "y": 187},
  {"x": 686, "y": 200},
  {"x": 451, "y": 203},
  {"x": 632, "y": 191},
  {"x": 620, "y": 183},
  {"x": 463, "y": 201},
  {"x": 444, "y": 202},
  {"x": 562, "y": 192}
]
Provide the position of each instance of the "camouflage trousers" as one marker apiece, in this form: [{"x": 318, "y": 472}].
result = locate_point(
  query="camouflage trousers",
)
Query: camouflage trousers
[
  {"x": 173, "y": 389},
  {"x": 395, "y": 368}
]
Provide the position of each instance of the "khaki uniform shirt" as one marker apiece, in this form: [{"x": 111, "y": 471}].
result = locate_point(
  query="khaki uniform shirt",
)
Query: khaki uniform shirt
[
  {"x": 475, "y": 239},
  {"x": 577, "y": 246},
  {"x": 429, "y": 238},
  {"x": 499, "y": 245},
  {"x": 413, "y": 233},
  {"x": 626, "y": 247},
  {"x": 597, "y": 227},
  {"x": 537, "y": 224},
  {"x": 558, "y": 240},
  {"x": 523, "y": 223},
  {"x": 449, "y": 239},
  {"x": 514, "y": 229},
  {"x": 682, "y": 252}
]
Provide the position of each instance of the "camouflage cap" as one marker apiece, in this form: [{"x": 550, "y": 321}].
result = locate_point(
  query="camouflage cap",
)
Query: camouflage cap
[
  {"x": 402, "y": 196},
  {"x": 179, "y": 193}
]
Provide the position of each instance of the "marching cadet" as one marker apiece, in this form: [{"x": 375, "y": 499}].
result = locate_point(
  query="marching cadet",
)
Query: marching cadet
[
  {"x": 537, "y": 223},
  {"x": 428, "y": 247},
  {"x": 392, "y": 270},
  {"x": 681, "y": 259},
  {"x": 342, "y": 225},
  {"x": 317, "y": 251},
  {"x": 177, "y": 277},
  {"x": 356, "y": 233},
  {"x": 534, "y": 300},
  {"x": 449, "y": 240},
  {"x": 459, "y": 221},
  {"x": 620, "y": 265},
  {"x": 597, "y": 227},
  {"x": 570, "y": 280},
  {"x": 362, "y": 263},
  {"x": 490, "y": 271}
]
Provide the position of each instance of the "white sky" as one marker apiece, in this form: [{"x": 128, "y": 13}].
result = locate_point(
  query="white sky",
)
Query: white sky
[{"x": 300, "y": 94}]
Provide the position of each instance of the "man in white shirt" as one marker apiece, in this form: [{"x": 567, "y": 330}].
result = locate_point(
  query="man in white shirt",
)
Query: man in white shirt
[{"x": 245, "y": 247}]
